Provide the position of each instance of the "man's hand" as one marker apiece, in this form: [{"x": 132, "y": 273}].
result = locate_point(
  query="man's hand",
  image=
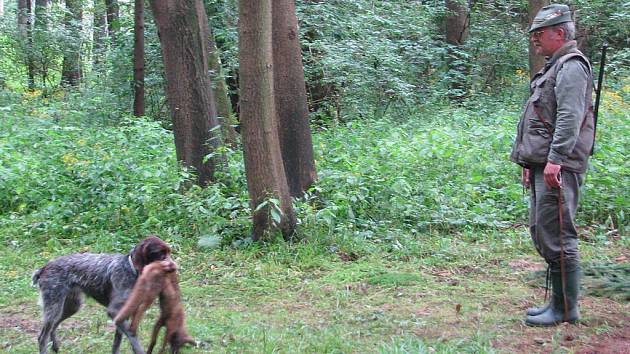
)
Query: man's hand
[
  {"x": 525, "y": 177},
  {"x": 552, "y": 175}
]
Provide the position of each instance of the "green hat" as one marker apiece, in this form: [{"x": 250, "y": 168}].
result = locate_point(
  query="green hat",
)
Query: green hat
[{"x": 551, "y": 15}]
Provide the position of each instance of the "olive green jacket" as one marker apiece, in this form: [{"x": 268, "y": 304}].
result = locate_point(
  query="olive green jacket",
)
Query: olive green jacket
[{"x": 557, "y": 125}]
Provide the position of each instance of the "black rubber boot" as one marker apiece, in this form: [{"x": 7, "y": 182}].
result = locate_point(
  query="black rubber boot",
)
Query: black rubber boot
[
  {"x": 554, "y": 314},
  {"x": 535, "y": 311}
]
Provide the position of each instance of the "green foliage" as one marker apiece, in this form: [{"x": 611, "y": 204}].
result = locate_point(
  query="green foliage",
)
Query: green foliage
[
  {"x": 607, "y": 22},
  {"x": 378, "y": 55},
  {"x": 66, "y": 180},
  {"x": 68, "y": 174}
]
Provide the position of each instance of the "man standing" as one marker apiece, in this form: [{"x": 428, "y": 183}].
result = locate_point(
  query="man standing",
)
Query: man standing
[{"x": 553, "y": 143}]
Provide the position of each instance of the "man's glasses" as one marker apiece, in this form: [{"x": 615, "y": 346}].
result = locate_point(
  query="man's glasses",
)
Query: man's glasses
[{"x": 537, "y": 34}]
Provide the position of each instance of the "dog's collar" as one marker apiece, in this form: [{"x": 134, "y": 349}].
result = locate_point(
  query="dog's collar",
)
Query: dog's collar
[{"x": 131, "y": 264}]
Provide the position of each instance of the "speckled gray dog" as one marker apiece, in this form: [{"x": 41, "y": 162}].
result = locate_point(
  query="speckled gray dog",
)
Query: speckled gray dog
[{"x": 108, "y": 278}]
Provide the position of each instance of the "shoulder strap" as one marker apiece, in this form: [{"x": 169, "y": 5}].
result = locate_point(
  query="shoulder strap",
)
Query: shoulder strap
[{"x": 563, "y": 59}]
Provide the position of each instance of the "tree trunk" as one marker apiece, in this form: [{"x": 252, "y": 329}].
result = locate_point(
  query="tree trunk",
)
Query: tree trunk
[
  {"x": 41, "y": 38},
  {"x": 99, "y": 33},
  {"x": 187, "y": 84},
  {"x": 224, "y": 108},
  {"x": 25, "y": 31},
  {"x": 536, "y": 62},
  {"x": 457, "y": 25},
  {"x": 112, "y": 9},
  {"x": 1, "y": 8},
  {"x": 138, "y": 59},
  {"x": 266, "y": 178},
  {"x": 71, "y": 70},
  {"x": 42, "y": 11},
  {"x": 290, "y": 98},
  {"x": 219, "y": 88}
]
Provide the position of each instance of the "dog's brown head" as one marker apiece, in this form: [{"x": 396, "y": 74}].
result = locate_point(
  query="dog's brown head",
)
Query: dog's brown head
[{"x": 149, "y": 250}]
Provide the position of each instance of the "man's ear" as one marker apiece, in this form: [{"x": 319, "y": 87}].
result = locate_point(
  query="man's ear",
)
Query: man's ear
[{"x": 560, "y": 31}]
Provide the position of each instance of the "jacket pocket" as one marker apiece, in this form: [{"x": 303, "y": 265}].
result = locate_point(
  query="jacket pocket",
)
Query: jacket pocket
[{"x": 536, "y": 142}]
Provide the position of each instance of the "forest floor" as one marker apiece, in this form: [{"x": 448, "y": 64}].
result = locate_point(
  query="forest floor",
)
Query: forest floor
[{"x": 262, "y": 301}]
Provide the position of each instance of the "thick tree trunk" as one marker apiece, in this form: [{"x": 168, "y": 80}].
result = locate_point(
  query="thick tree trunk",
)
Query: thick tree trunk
[
  {"x": 536, "y": 62},
  {"x": 138, "y": 59},
  {"x": 112, "y": 9},
  {"x": 457, "y": 25},
  {"x": 224, "y": 107},
  {"x": 266, "y": 178},
  {"x": 71, "y": 70},
  {"x": 188, "y": 85},
  {"x": 25, "y": 31},
  {"x": 290, "y": 98}
]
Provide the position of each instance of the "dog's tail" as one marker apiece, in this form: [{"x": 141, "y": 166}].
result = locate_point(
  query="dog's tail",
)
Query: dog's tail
[{"x": 36, "y": 275}]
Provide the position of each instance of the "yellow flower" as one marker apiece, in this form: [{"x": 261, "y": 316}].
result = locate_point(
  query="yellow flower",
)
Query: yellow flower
[{"x": 69, "y": 160}]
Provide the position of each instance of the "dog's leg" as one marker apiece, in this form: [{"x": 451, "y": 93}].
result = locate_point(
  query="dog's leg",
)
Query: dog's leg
[
  {"x": 123, "y": 328},
  {"x": 53, "y": 301},
  {"x": 71, "y": 305},
  {"x": 117, "y": 341},
  {"x": 44, "y": 336}
]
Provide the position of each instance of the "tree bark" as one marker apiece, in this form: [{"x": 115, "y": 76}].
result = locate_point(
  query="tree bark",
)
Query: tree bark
[
  {"x": 1, "y": 8},
  {"x": 188, "y": 86},
  {"x": 112, "y": 9},
  {"x": 138, "y": 59},
  {"x": 536, "y": 62},
  {"x": 71, "y": 70},
  {"x": 41, "y": 36},
  {"x": 219, "y": 88},
  {"x": 457, "y": 25},
  {"x": 99, "y": 33},
  {"x": 224, "y": 108},
  {"x": 42, "y": 11},
  {"x": 290, "y": 99},
  {"x": 266, "y": 178},
  {"x": 25, "y": 31}
]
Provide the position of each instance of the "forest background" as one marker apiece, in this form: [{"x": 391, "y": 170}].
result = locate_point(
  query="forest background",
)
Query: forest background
[{"x": 411, "y": 238}]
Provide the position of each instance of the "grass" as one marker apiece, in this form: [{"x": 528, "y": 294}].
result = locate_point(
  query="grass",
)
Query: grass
[{"x": 413, "y": 241}]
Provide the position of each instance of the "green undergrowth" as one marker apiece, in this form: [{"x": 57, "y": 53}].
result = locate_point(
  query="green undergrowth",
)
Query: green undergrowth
[{"x": 412, "y": 241}]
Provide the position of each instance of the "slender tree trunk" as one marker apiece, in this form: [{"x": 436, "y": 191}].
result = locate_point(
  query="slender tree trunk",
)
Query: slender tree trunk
[
  {"x": 224, "y": 108},
  {"x": 290, "y": 98},
  {"x": 41, "y": 30},
  {"x": 457, "y": 25},
  {"x": 138, "y": 59},
  {"x": 42, "y": 11},
  {"x": 25, "y": 31},
  {"x": 1, "y": 8},
  {"x": 99, "y": 33},
  {"x": 219, "y": 88},
  {"x": 112, "y": 9},
  {"x": 188, "y": 86},
  {"x": 536, "y": 62},
  {"x": 266, "y": 178},
  {"x": 71, "y": 71}
]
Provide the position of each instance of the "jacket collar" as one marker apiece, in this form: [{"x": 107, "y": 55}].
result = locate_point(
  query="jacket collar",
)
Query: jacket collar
[{"x": 568, "y": 47}]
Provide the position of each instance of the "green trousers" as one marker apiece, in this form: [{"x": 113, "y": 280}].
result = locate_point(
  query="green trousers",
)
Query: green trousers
[{"x": 544, "y": 218}]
